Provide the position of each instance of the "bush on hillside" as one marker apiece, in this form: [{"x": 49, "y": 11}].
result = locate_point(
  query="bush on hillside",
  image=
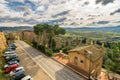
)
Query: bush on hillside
[
  {"x": 41, "y": 48},
  {"x": 49, "y": 52}
]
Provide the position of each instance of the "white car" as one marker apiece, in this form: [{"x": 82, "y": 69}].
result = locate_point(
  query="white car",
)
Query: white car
[
  {"x": 28, "y": 77},
  {"x": 9, "y": 54},
  {"x": 17, "y": 71},
  {"x": 10, "y": 51}
]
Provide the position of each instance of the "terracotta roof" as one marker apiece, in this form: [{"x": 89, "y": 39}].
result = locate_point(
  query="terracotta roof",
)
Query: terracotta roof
[{"x": 91, "y": 52}]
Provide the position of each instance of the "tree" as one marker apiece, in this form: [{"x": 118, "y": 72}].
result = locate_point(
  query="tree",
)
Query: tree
[
  {"x": 113, "y": 58},
  {"x": 84, "y": 40},
  {"x": 49, "y": 31}
]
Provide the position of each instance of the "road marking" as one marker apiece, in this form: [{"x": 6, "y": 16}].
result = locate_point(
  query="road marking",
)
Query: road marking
[{"x": 36, "y": 62}]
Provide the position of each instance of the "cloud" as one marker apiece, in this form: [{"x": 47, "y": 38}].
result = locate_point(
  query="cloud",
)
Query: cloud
[
  {"x": 117, "y": 21},
  {"x": 102, "y": 22},
  {"x": 86, "y": 3},
  {"x": 20, "y": 8},
  {"x": 104, "y": 2},
  {"x": 14, "y": 0},
  {"x": 18, "y": 20},
  {"x": 116, "y": 11},
  {"x": 61, "y": 13},
  {"x": 73, "y": 23},
  {"x": 90, "y": 18},
  {"x": 40, "y": 8}
]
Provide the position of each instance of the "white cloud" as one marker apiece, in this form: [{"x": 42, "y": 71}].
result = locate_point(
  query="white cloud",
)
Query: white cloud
[
  {"x": 40, "y": 8},
  {"x": 15, "y": 0},
  {"x": 45, "y": 9}
]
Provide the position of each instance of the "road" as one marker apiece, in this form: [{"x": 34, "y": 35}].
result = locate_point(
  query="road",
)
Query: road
[
  {"x": 30, "y": 66},
  {"x": 54, "y": 69}
]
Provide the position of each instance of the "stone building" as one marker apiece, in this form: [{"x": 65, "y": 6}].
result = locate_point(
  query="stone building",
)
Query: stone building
[
  {"x": 27, "y": 36},
  {"x": 88, "y": 59}
]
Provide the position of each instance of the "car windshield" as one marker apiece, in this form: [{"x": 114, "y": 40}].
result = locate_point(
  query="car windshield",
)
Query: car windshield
[
  {"x": 12, "y": 62},
  {"x": 16, "y": 71}
]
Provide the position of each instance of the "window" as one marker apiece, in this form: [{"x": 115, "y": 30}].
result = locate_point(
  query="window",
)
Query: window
[
  {"x": 81, "y": 61},
  {"x": 75, "y": 60}
]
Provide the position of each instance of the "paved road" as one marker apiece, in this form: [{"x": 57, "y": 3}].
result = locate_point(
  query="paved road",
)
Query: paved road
[
  {"x": 54, "y": 69},
  {"x": 31, "y": 68}
]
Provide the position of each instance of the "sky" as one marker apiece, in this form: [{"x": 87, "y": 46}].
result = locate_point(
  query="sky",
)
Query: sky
[{"x": 66, "y": 13}]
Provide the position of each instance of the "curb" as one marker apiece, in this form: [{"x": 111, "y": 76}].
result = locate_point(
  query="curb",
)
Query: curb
[{"x": 70, "y": 68}]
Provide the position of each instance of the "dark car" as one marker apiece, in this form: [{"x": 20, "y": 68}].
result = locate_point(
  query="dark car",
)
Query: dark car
[
  {"x": 12, "y": 62},
  {"x": 15, "y": 59},
  {"x": 12, "y": 46},
  {"x": 18, "y": 76},
  {"x": 7, "y": 50},
  {"x": 8, "y": 58},
  {"x": 10, "y": 54}
]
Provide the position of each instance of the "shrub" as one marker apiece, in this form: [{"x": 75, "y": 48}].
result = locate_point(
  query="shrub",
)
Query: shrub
[
  {"x": 34, "y": 44},
  {"x": 49, "y": 52},
  {"x": 41, "y": 48},
  {"x": 65, "y": 50},
  {"x": 56, "y": 50}
]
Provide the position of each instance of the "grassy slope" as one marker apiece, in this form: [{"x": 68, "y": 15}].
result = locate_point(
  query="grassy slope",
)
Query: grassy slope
[
  {"x": 95, "y": 35},
  {"x": 3, "y": 76}
]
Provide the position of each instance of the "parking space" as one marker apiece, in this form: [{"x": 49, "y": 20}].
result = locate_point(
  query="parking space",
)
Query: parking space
[{"x": 31, "y": 68}]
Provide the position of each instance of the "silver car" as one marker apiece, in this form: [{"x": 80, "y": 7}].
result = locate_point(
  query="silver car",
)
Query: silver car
[{"x": 17, "y": 71}]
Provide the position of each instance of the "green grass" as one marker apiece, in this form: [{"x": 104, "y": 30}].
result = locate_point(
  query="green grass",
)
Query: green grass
[{"x": 3, "y": 76}]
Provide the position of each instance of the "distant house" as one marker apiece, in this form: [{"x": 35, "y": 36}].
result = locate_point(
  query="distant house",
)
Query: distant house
[{"x": 88, "y": 60}]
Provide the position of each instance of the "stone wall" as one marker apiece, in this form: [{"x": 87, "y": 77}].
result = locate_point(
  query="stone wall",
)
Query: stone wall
[
  {"x": 3, "y": 44},
  {"x": 28, "y": 36}
]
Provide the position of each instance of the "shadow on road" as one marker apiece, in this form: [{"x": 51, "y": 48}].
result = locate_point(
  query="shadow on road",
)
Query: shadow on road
[{"x": 65, "y": 74}]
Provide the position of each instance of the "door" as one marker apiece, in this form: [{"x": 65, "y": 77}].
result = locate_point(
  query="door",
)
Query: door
[{"x": 75, "y": 60}]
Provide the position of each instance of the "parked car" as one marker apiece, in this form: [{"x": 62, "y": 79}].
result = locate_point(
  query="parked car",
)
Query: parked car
[
  {"x": 15, "y": 59},
  {"x": 9, "y": 51},
  {"x": 11, "y": 68},
  {"x": 12, "y": 62},
  {"x": 10, "y": 54},
  {"x": 12, "y": 46},
  {"x": 17, "y": 76},
  {"x": 6, "y": 66},
  {"x": 28, "y": 77},
  {"x": 17, "y": 71},
  {"x": 8, "y": 58}
]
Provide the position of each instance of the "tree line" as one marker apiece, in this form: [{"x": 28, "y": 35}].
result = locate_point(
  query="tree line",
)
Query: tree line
[{"x": 46, "y": 34}]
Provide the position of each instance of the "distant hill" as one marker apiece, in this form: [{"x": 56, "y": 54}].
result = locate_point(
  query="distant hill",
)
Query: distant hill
[
  {"x": 14, "y": 29},
  {"x": 104, "y": 29}
]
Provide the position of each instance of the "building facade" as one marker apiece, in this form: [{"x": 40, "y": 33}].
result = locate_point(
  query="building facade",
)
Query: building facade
[{"x": 88, "y": 59}]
